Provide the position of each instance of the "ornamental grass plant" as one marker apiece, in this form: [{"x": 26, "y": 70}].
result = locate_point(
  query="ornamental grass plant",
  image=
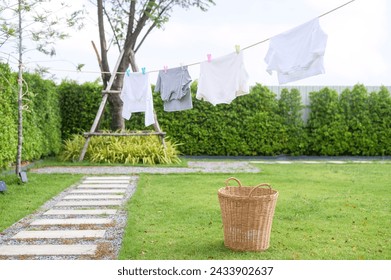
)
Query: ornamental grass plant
[{"x": 121, "y": 149}]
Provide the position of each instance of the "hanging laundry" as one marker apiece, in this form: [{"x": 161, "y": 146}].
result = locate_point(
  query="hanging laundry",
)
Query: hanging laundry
[
  {"x": 136, "y": 96},
  {"x": 223, "y": 79},
  {"x": 298, "y": 53},
  {"x": 174, "y": 87}
]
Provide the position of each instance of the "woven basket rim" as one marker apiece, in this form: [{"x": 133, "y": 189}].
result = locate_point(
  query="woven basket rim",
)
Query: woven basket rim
[{"x": 225, "y": 194}]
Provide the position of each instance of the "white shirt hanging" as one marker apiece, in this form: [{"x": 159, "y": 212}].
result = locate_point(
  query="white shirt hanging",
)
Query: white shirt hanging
[
  {"x": 136, "y": 96},
  {"x": 298, "y": 53},
  {"x": 223, "y": 79}
]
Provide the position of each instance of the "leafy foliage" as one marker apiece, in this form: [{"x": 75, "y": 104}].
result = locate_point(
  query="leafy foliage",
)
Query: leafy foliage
[
  {"x": 290, "y": 109},
  {"x": 41, "y": 118},
  {"x": 261, "y": 124},
  {"x": 128, "y": 150},
  {"x": 328, "y": 133},
  {"x": 8, "y": 130},
  {"x": 79, "y": 105}
]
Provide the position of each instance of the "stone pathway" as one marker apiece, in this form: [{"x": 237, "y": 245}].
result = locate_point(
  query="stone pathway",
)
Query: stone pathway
[{"x": 84, "y": 222}]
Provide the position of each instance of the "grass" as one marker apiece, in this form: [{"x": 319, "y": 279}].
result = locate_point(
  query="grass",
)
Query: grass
[
  {"x": 21, "y": 200},
  {"x": 324, "y": 211}
]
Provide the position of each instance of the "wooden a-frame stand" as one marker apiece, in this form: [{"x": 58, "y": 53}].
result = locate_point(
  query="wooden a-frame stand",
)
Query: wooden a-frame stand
[{"x": 99, "y": 114}]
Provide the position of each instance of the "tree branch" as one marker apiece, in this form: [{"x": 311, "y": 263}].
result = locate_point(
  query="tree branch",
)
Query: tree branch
[
  {"x": 112, "y": 28},
  {"x": 142, "y": 21},
  {"x": 105, "y": 64},
  {"x": 164, "y": 9}
]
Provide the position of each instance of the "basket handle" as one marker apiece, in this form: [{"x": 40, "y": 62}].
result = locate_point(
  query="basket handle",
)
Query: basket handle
[
  {"x": 259, "y": 186},
  {"x": 234, "y": 179}
]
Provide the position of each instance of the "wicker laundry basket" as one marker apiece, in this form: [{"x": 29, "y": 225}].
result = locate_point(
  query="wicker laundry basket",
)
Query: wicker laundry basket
[{"x": 247, "y": 214}]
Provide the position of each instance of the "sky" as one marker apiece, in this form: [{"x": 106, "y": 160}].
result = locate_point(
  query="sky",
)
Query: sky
[{"x": 358, "y": 48}]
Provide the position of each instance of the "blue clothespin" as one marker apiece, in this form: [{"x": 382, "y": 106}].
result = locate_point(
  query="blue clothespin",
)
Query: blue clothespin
[
  {"x": 128, "y": 72},
  {"x": 143, "y": 70}
]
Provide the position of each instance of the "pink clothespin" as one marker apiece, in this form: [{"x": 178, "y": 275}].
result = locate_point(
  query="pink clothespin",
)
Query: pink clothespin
[
  {"x": 165, "y": 68},
  {"x": 209, "y": 57},
  {"x": 143, "y": 70}
]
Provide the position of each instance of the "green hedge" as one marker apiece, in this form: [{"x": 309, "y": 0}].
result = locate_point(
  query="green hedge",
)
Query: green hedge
[
  {"x": 353, "y": 123},
  {"x": 8, "y": 116},
  {"x": 41, "y": 117},
  {"x": 79, "y": 104}
]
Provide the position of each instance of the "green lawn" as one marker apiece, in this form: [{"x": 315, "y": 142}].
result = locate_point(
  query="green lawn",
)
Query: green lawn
[
  {"x": 20, "y": 200},
  {"x": 324, "y": 211}
]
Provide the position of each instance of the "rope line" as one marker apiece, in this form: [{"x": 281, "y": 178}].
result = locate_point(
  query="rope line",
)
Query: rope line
[{"x": 197, "y": 63}]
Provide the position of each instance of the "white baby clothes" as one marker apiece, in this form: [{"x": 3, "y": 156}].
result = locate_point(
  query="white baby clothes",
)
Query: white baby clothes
[
  {"x": 223, "y": 79},
  {"x": 298, "y": 53},
  {"x": 136, "y": 96},
  {"x": 174, "y": 87}
]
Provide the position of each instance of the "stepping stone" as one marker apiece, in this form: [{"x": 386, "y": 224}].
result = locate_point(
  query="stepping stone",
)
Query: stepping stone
[
  {"x": 47, "y": 234},
  {"x": 89, "y": 203},
  {"x": 97, "y": 191},
  {"x": 103, "y": 196},
  {"x": 109, "y": 178},
  {"x": 103, "y": 186},
  {"x": 46, "y": 222},
  {"x": 109, "y": 182},
  {"x": 82, "y": 212},
  {"x": 47, "y": 250}
]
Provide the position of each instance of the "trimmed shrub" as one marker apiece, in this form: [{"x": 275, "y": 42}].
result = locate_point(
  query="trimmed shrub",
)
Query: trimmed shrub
[
  {"x": 356, "y": 115},
  {"x": 79, "y": 105},
  {"x": 328, "y": 133},
  {"x": 41, "y": 120},
  {"x": 8, "y": 116},
  {"x": 379, "y": 110},
  {"x": 290, "y": 109}
]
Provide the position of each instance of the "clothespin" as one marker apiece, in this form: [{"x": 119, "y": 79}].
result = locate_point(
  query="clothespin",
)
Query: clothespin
[
  {"x": 209, "y": 57},
  {"x": 165, "y": 68},
  {"x": 128, "y": 72},
  {"x": 181, "y": 64},
  {"x": 143, "y": 70},
  {"x": 237, "y": 48}
]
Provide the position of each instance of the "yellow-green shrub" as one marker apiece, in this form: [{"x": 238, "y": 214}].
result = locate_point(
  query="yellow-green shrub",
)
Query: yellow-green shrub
[{"x": 121, "y": 149}]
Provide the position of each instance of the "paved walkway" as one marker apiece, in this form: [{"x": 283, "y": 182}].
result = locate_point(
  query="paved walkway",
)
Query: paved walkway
[{"x": 84, "y": 222}]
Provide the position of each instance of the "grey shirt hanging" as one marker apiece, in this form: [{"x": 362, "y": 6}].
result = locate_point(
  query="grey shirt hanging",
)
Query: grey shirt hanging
[{"x": 174, "y": 87}]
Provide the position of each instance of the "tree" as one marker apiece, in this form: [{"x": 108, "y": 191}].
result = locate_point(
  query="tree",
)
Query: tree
[
  {"x": 39, "y": 23},
  {"x": 131, "y": 21}
]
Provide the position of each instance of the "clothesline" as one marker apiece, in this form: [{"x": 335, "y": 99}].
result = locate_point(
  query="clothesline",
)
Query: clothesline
[{"x": 197, "y": 63}]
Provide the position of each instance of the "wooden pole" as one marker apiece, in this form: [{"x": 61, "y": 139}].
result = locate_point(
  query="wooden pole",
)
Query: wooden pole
[{"x": 101, "y": 107}]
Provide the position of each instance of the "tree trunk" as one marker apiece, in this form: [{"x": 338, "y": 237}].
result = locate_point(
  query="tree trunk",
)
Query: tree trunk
[
  {"x": 115, "y": 102},
  {"x": 18, "y": 168}
]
